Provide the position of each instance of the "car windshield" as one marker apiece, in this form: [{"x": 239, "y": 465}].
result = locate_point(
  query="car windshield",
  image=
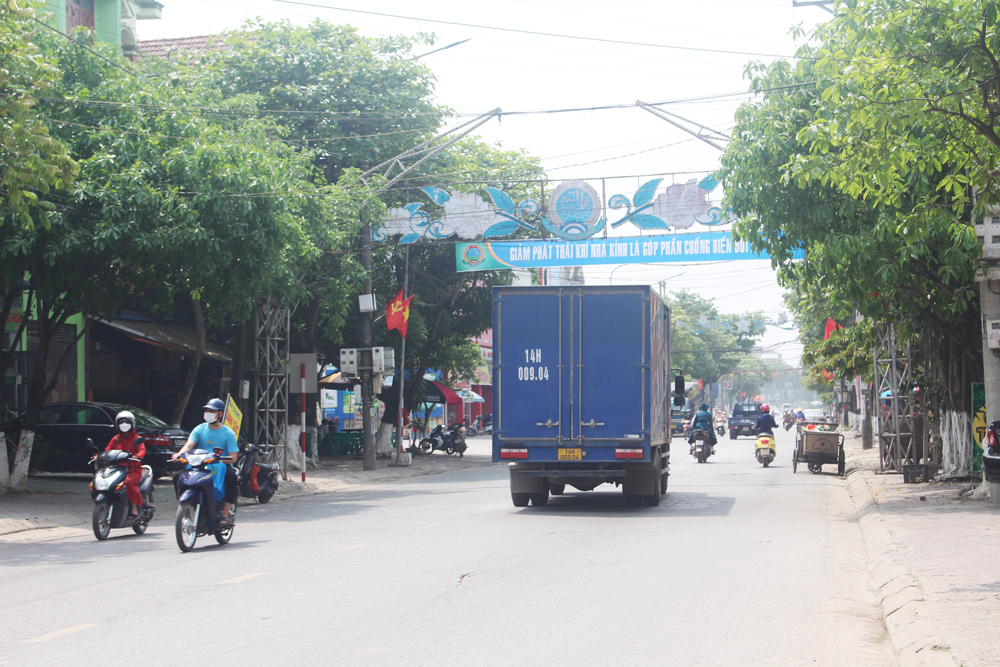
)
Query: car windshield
[{"x": 142, "y": 418}]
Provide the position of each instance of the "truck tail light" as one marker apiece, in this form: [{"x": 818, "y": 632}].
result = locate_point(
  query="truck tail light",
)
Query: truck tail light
[
  {"x": 513, "y": 453},
  {"x": 628, "y": 453}
]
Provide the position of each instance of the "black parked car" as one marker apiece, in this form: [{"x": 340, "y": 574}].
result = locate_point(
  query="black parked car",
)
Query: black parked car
[{"x": 63, "y": 428}]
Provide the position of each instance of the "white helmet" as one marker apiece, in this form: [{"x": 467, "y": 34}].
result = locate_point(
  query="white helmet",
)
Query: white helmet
[{"x": 122, "y": 418}]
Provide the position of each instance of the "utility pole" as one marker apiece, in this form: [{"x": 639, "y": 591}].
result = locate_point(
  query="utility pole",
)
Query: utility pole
[
  {"x": 426, "y": 150},
  {"x": 367, "y": 395}
]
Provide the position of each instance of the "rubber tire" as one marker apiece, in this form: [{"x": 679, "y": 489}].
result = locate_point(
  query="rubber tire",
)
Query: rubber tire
[
  {"x": 178, "y": 522},
  {"x": 732, "y": 436},
  {"x": 426, "y": 446},
  {"x": 703, "y": 456},
  {"x": 663, "y": 484},
  {"x": 540, "y": 499},
  {"x": 815, "y": 468},
  {"x": 520, "y": 499},
  {"x": 841, "y": 463},
  {"x": 653, "y": 500},
  {"x": 632, "y": 501},
  {"x": 472, "y": 432},
  {"x": 795, "y": 460},
  {"x": 264, "y": 496},
  {"x": 557, "y": 489},
  {"x": 223, "y": 536},
  {"x": 102, "y": 532},
  {"x": 139, "y": 528},
  {"x": 766, "y": 462}
]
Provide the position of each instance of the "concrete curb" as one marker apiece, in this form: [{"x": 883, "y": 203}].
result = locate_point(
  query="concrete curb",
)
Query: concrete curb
[{"x": 916, "y": 640}]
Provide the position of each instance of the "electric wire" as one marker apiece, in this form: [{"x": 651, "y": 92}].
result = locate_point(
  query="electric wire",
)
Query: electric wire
[{"x": 535, "y": 32}]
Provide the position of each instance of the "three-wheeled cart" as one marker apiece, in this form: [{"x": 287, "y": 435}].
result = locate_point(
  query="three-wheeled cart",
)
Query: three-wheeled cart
[{"x": 816, "y": 448}]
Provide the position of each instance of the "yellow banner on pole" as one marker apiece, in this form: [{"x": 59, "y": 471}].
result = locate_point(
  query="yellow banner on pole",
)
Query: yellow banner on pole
[{"x": 233, "y": 417}]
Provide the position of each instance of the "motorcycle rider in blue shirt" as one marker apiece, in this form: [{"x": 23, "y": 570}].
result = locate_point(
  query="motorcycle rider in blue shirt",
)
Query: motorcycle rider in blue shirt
[
  {"x": 766, "y": 423},
  {"x": 210, "y": 435}
]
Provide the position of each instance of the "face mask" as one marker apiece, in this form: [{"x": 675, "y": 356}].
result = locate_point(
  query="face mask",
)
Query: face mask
[
  {"x": 210, "y": 417},
  {"x": 124, "y": 427}
]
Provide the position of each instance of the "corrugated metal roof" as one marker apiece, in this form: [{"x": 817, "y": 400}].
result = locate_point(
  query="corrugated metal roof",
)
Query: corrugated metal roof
[
  {"x": 174, "y": 336},
  {"x": 162, "y": 47}
]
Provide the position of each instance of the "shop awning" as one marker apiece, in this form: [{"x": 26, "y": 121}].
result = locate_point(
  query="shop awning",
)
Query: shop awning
[
  {"x": 469, "y": 396},
  {"x": 336, "y": 381},
  {"x": 434, "y": 391},
  {"x": 176, "y": 337},
  {"x": 438, "y": 393}
]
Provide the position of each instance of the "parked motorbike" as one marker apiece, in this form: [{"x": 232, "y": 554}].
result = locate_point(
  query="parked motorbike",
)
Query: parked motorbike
[
  {"x": 765, "y": 449},
  {"x": 111, "y": 504},
  {"x": 450, "y": 441},
  {"x": 257, "y": 480},
  {"x": 480, "y": 425},
  {"x": 702, "y": 447},
  {"x": 197, "y": 513}
]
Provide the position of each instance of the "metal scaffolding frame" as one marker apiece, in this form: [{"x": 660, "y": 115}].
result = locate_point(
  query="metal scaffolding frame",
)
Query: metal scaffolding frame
[
  {"x": 893, "y": 374},
  {"x": 271, "y": 350}
]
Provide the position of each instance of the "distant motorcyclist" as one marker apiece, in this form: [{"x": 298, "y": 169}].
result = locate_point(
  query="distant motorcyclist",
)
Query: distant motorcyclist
[
  {"x": 766, "y": 423},
  {"x": 703, "y": 422}
]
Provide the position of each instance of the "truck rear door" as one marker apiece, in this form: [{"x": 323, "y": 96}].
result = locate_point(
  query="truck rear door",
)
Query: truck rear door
[
  {"x": 528, "y": 347},
  {"x": 612, "y": 366}
]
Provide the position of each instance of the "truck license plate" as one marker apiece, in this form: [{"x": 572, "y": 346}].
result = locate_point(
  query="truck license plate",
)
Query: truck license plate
[{"x": 570, "y": 454}]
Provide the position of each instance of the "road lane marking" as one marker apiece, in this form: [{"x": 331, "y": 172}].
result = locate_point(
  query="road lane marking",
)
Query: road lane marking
[
  {"x": 60, "y": 633},
  {"x": 430, "y": 525},
  {"x": 353, "y": 546},
  {"x": 243, "y": 578}
]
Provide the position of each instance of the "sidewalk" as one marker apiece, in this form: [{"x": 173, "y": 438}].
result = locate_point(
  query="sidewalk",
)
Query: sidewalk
[
  {"x": 59, "y": 505},
  {"x": 935, "y": 562}
]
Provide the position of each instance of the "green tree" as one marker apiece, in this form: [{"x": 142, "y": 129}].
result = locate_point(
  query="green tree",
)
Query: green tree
[{"x": 706, "y": 344}]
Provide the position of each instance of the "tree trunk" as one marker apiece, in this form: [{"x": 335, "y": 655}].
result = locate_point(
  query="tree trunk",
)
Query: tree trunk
[
  {"x": 192, "y": 374},
  {"x": 5, "y": 464}
]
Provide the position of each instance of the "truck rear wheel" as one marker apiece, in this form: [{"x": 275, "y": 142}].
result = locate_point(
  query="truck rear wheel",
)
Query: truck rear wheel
[
  {"x": 653, "y": 499},
  {"x": 557, "y": 489},
  {"x": 520, "y": 499},
  {"x": 632, "y": 500},
  {"x": 540, "y": 499}
]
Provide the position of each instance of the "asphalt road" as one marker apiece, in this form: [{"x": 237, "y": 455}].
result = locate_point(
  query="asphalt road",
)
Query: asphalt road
[{"x": 739, "y": 565}]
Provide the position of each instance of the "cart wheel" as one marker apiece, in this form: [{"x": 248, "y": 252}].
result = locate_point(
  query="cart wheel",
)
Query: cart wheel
[
  {"x": 815, "y": 468},
  {"x": 795, "y": 460},
  {"x": 841, "y": 463}
]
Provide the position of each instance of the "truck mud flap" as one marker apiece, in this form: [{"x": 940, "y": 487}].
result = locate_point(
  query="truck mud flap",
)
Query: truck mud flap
[{"x": 572, "y": 473}]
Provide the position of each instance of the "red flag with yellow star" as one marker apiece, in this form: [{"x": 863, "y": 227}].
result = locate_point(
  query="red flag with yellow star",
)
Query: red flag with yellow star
[{"x": 397, "y": 313}]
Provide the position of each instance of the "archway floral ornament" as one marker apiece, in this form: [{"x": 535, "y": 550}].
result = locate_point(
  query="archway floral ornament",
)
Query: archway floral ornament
[{"x": 574, "y": 212}]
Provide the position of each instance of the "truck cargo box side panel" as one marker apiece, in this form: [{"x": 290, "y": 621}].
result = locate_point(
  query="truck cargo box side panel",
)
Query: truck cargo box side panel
[
  {"x": 612, "y": 369},
  {"x": 527, "y": 366},
  {"x": 660, "y": 380}
]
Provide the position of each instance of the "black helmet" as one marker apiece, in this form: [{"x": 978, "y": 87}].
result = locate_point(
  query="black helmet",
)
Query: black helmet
[{"x": 214, "y": 404}]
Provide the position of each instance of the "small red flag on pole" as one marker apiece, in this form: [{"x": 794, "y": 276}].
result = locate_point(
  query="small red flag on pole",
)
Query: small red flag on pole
[
  {"x": 397, "y": 313},
  {"x": 831, "y": 326}
]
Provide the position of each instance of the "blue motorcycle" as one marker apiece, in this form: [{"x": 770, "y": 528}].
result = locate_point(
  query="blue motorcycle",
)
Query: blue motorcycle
[{"x": 197, "y": 514}]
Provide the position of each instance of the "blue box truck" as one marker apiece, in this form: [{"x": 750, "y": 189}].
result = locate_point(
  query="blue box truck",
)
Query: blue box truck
[{"x": 582, "y": 390}]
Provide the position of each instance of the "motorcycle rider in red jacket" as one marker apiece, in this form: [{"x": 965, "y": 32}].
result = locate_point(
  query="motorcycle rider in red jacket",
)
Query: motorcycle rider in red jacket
[{"x": 128, "y": 441}]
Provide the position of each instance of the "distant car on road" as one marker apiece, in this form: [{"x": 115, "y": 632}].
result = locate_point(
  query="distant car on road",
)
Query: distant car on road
[
  {"x": 63, "y": 428},
  {"x": 815, "y": 416},
  {"x": 743, "y": 420}
]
